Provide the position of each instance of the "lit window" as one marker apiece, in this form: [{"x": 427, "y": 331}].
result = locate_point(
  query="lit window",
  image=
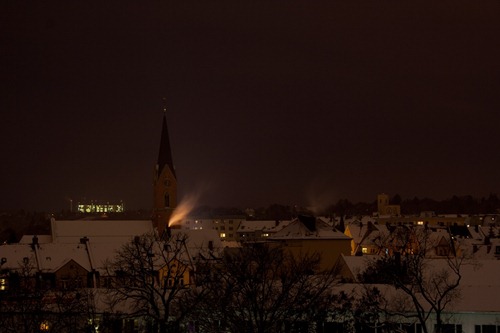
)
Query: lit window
[
  {"x": 3, "y": 284},
  {"x": 44, "y": 326},
  {"x": 265, "y": 235},
  {"x": 222, "y": 235},
  {"x": 364, "y": 250},
  {"x": 420, "y": 222}
]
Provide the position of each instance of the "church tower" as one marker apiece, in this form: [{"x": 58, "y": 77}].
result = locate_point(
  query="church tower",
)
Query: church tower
[{"x": 164, "y": 183}]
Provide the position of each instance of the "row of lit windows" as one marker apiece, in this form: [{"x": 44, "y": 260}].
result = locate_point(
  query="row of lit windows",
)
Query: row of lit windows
[{"x": 107, "y": 208}]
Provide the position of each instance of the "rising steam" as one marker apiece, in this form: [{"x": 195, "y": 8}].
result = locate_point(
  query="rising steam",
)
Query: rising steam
[
  {"x": 185, "y": 207},
  {"x": 320, "y": 195}
]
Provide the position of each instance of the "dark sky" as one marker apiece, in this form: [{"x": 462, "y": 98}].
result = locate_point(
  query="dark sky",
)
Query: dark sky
[{"x": 290, "y": 102}]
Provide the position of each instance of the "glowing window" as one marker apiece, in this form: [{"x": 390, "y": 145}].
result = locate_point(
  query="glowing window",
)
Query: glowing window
[
  {"x": 265, "y": 235},
  {"x": 364, "y": 250},
  {"x": 3, "y": 284},
  {"x": 222, "y": 235},
  {"x": 420, "y": 222},
  {"x": 44, "y": 326}
]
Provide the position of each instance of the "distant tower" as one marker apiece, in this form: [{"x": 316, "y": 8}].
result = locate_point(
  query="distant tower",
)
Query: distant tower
[
  {"x": 165, "y": 182},
  {"x": 382, "y": 203},
  {"x": 385, "y": 208}
]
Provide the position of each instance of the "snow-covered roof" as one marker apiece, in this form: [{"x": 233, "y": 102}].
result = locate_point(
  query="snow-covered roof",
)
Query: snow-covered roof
[
  {"x": 99, "y": 231},
  {"x": 266, "y": 225},
  {"x": 356, "y": 264},
  {"x": 198, "y": 240},
  {"x": 102, "y": 253},
  {"x": 42, "y": 239},
  {"x": 357, "y": 231},
  {"x": 53, "y": 256},
  {"x": 318, "y": 229},
  {"x": 230, "y": 244},
  {"x": 471, "y": 299},
  {"x": 13, "y": 256}
]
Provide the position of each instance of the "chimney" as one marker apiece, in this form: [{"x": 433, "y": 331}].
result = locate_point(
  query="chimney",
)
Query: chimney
[
  {"x": 397, "y": 259},
  {"x": 308, "y": 221},
  {"x": 342, "y": 223}
]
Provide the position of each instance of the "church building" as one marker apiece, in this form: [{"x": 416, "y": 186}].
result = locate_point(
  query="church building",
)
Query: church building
[{"x": 164, "y": 182}]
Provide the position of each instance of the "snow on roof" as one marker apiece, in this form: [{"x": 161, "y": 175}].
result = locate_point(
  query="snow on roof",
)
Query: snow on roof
[
  {"x": 476, "y": 232},
  {"x": 13, "y": 256},
  {"x": 470, "y": 300},
  {"x": 357, "y": 264},
  {"x": 53, "y": 256},
  {"x": 102, "y": 253},
  {"x": 481, "y": 251},
  {"x": 42, "y": 239},
  {"x": 198, "y": 240},
  {"x": 357, "y": 231},
  {"x": 265, "y": 225},
  {"x": 298, "y": 230},
  {"x": 368, "y": 218},
  {"x": 351, "y": 220},
  {"x": 99, "y": 231},
  {"x": 230, "y": 244}
]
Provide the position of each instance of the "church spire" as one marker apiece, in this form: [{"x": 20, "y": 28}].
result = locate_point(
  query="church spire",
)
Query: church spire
[
  {"x": 165, "y": 181},
  {"x": 165, "y": 153}
]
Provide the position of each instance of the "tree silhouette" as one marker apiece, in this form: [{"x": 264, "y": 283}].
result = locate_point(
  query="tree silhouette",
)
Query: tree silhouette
[{"x": 261, "y": 288}]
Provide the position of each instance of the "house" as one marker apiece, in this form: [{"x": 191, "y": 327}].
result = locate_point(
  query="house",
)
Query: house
[
  {"x": 308, "y": 235},
  {"x": 80, "y": 250},
  {"x": 363, "y": 238},
  {"x": 259, "y": 230}
]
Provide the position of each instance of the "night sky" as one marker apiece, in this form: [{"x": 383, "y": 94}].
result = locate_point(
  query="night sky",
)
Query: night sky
[{"x": 290, "y": 102}]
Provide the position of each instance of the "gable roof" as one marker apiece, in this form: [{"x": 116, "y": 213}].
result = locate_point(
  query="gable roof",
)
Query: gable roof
[
  {"x": 266, "y": 225},
  {"x": 99, "y": 231},
  {"x": 309, "y": 228}
]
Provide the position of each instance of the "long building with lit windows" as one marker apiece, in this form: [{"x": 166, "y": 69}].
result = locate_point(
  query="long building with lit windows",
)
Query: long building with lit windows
[{"x": 99, "y": 207}]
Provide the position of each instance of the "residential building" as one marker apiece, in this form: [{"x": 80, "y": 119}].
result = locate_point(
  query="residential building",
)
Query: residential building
[{"x": 311, "y": 235}]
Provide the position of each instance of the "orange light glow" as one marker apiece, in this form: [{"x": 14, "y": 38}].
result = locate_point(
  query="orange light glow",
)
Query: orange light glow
[{"x": 183, "y": 209}]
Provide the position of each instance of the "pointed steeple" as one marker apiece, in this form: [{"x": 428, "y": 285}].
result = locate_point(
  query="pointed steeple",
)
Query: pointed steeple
[
  {"x": 165, "y": 153},
  {"x": 165, "y": 182}
]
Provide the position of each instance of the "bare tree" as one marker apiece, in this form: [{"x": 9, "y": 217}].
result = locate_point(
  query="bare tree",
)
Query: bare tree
[
  {"x": 30, "y": 305},
  {"x": 261, "y": 288},
  {"x": 430, "y": 284},
  {"x": 153, "y": 278},
  {"x": 21, "y": 305}
]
